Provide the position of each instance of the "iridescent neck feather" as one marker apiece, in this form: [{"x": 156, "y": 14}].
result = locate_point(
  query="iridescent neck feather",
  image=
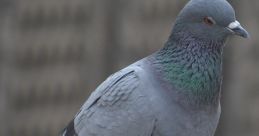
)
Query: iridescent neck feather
[{"x": 193, "y": 66}]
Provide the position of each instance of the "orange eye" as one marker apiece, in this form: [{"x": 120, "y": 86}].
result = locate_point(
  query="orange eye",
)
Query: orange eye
[{"x": 208, "y": 21}]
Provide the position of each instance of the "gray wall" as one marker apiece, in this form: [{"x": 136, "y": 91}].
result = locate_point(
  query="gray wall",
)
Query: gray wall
[{"x": 53, "y": 53}]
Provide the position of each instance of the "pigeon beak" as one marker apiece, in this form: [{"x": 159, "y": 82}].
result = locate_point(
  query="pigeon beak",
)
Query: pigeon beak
[{"x": 236, "y": 29}]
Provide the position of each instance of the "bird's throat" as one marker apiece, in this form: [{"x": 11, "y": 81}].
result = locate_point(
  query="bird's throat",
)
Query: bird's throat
[{"x": 193, "y": 67}]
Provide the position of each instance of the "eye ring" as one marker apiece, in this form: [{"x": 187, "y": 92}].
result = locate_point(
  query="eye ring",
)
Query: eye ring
[{"x": 209, "y": 21}]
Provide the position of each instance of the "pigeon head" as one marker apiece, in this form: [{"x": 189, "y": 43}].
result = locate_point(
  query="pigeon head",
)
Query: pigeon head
[{"x": 209, "y": 19}]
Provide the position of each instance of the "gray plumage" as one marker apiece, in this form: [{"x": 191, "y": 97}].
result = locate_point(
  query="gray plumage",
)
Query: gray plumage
[{"x": 173, "y": 92}]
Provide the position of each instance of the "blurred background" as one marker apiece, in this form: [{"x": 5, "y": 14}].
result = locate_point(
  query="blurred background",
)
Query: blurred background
[{"x": 53, "y": 53}]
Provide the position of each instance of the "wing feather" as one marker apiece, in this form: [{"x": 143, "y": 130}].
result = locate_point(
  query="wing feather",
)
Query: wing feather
[{"x": 115, "y": 108}]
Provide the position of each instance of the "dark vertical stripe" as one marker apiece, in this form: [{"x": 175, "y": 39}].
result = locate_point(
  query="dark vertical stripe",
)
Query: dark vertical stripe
[{"x": 112, "y": 13}]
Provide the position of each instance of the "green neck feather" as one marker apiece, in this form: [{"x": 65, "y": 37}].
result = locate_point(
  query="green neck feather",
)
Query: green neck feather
[{"x": 194, "y": 68}]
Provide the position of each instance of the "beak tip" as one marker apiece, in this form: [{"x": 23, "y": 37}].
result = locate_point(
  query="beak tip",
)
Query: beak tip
[
  {"x": 241, "y": 32},
  {"x": 236, "y": 29},
  {"x": 245, "y": 35}
]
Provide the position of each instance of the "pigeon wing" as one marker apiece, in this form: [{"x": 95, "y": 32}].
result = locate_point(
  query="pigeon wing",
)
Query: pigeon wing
[{"x": 115, "y": 108}]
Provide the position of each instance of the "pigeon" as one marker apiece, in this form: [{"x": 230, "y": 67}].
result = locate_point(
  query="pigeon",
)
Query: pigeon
[{"x": 173, "y": 92}]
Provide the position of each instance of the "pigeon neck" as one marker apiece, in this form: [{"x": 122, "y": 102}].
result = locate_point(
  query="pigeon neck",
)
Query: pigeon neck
[{"x": 193, "y": 67}]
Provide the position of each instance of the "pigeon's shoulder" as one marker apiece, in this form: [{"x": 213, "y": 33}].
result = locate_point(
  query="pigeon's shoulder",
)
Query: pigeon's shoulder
[
  {"x": 114, "y": 106},
  {"x": 115, "y": 88}
]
